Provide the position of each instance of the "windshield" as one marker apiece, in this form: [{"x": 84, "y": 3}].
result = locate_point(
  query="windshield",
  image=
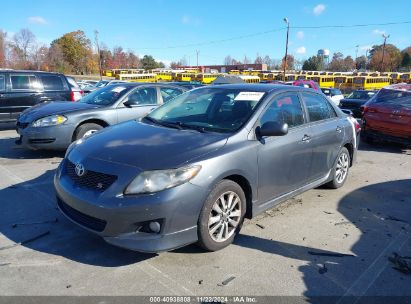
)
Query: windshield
[
  {"x": 208, "y": 109},
  {"x": 393, "y": 96},
  {"x": 106, "y": 96},
  {"x": 361, "y": 95},
  {"x": 101, "y": 84}
]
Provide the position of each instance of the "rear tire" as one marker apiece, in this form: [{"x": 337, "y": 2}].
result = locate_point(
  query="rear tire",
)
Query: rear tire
[
  {"x": 341, "y": 169},
  {"x": 222, "y": 216},
  {"x": 86, "y": 130}
]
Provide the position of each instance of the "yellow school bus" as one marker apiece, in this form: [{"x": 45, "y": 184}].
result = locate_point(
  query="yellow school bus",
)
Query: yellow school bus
[
  {"x": 266, "y": 76},
  {"x": 137, "y": 77},
  {"x": 205, "y": 78},
  {"x": 323, "y": 81},
  {"x": 234, "y": 72},
  {"x": 186, "y": 76},
  {"x": 108, "y": 73},
  {"x": 344, "y": 83},
  {"x": 250, "y": 78},
  {"x": 405, "y": 77},
  {"x": 370, "y": 83},
  {"x": 164, "y": 76}
]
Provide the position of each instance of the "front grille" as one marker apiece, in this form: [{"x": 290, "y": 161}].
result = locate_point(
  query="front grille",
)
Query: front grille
[
  {"x": 81, "y": 218},
  {"x": 22, "y": 125},
  {"x": 91, "y": 179}
]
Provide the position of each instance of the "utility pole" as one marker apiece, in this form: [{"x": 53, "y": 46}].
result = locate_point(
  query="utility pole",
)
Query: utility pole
[
  {"x": 197, "y": 52},
  {"x": 286, "y": 47},
  {"x": 356, "y": 55},
  {"x": 98, "y": 53},
  {"x": 383, "y": 51}
]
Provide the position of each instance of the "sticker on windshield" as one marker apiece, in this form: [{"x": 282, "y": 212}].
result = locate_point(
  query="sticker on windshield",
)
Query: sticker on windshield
[
  {"x": 118, "y": 89},
  {"x": 251, "y": 96}
]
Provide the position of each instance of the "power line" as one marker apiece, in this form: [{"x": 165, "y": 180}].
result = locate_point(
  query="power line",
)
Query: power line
[{"x": 272, "y": 31}]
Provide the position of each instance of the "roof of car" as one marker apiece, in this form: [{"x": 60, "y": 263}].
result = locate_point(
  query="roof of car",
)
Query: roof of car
[
  {"x": 259, "y": 87},
  {"x": 399, "y": 87},
  {"x": 27, "y": 71}
]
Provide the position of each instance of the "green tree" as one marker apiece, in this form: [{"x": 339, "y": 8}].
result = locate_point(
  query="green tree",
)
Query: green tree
[
  {"x": 361, "y": 63},
  {"x": 76, "y": 49},
  {"x": 149, "y": 63},
  {"x": 406, "y": 58},
  {"x": 312, "y": 64}
]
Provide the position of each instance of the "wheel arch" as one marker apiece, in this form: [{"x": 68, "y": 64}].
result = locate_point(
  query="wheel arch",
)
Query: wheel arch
[{"x": 97, "y": 121}]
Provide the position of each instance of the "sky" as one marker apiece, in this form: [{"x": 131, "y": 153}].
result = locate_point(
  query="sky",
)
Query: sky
[{"x": 170, "y": 30}]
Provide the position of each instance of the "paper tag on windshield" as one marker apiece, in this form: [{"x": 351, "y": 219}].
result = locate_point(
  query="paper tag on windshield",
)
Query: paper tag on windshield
[
  {"x": 118, "y": 89},
  {"x": 251, "y": 96}
]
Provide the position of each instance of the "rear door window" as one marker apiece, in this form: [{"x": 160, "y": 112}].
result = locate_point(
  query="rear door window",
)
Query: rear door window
[
  {"x": 144, "y": 96},
  {"x": 2, "y": 83},
  {"x": 52, "y": 82},
  {"x": 169, "y": 93},
  {"x": 318, "y": 107},
  {"x": 25, "y": 82}
]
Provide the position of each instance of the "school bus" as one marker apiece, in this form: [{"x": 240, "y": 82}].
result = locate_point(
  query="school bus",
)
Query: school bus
[
  {"x": 185, "y": 76},
  {"x": 323, "y": 81},
  {"x": 250, "y": 78},
  {"x": 108, "y": 73},
  {"x": 137, "y": 77},
  {"x": 265, "y": 76},
  {"x": 405, "y": 77},
  {"x": 204, "y": 78},
  {"x": 395, "y": 77},
  {"x": 370, "y": 83},
  {"x": 344, "y": 83},
  {"x": 234, "y": 72},
  {"x": 164, "y": 76}
]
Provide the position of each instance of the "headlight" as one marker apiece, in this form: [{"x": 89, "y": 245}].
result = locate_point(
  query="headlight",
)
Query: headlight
[
  {"x": 53, "y": 120},
  {"x": 154, "y": 181}
]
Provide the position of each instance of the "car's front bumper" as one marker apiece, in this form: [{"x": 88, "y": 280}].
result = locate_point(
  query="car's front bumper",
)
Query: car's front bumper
[
  {"x": 46, "y": 138},
  {"x": 118, "y": 218}
]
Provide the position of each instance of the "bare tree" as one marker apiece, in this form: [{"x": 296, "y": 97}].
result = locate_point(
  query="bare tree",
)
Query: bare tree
[
  {"x": 39, "y": 56},
  {"x": 228, "y": 60},
  {"x": 246, "y": 60},
  {"x": 22, "y": 43},
  {"x": 258, "y": 59},
  {"x": 3, "y": 44}
]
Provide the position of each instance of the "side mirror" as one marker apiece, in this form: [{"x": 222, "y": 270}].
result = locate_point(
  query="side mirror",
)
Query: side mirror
[
  {"x": 128, "y": 103},
  {"x": 272, "y": 128},
  {"x": 348, "y": 112}
]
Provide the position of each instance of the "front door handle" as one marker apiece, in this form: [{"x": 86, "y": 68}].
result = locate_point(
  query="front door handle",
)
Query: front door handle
[
  {"x": 306, "y": 138},
  {"x": 339, "y": 129}
]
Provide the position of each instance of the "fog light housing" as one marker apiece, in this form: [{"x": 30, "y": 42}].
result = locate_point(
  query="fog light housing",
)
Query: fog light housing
[{"x": 155, "y": 227}]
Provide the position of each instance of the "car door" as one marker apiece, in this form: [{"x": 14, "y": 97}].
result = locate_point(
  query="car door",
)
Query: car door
[
  {"x": 138, "y": 103},
  {"x": 284, "y": 161},
  {"x": 327, "y": 133},
  {"x": 25, "y": 92},
  {"x": 4, "y": 110}
]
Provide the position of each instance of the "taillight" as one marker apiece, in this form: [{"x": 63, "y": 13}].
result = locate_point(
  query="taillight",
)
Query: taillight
[
  {"x": 357, "y": 126},
  {"x": 72, "y": 96},
  {"x": 76, "y": 95}
]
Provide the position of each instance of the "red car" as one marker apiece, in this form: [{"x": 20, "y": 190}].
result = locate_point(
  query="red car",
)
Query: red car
[
  {"x": 387, "y": 115},
  {"x": 309, "y": 84}
]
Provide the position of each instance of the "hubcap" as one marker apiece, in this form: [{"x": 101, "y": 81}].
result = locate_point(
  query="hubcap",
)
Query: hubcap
[
  {"x": 89, "y": 132},
  {"x": 224, "y": 216},
  {"x": 342, "y": 168}
]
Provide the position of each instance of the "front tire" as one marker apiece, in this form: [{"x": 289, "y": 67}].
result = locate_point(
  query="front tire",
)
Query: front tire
[
  {"x": 341, "y": 169},
  {"x": 222, "y": 216},
  {"x": 86, "y": 130}
]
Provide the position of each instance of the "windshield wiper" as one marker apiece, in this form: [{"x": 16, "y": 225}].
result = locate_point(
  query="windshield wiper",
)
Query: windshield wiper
[
  {"x": 191, "y": 127},
  {"x": 163, "y": 123}
]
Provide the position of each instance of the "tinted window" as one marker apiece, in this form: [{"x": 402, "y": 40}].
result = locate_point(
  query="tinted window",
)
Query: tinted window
[
  {"x": 392, "y": 96},
  {"x": 52, "y": 83},
  {"x": 169, "y": 93},
  {"x": 318, "y": 107},
  {"x": 73, "y": 83},
  {"x": 24, "y": 82},
  {"x": 284, "y": 109},
  {"x": 145, "y": 96},
  {"x": 106, "y": 96},
  {"x": 2, "y": 83}
]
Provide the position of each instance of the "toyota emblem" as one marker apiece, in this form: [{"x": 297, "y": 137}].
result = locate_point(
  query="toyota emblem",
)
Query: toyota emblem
[{"x": 80, "y": 169}]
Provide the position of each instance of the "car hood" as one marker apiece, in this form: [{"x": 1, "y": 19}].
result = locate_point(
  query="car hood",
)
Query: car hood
[
  {"x": 53, "y": 108},
  {"x": 357, "y": 101},
  {"x": 148, "y": 147}
]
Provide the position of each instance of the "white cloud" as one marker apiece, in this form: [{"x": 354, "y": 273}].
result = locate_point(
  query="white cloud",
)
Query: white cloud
[
  {"x": 378, "y": 32},
  {"x": 37, "y": 20},
  {"x": 301, "y": 50},
  {"x": 300, "y": 35},
  {"x": 318, "y": 9},
  {"x": 188, "y": 20}
]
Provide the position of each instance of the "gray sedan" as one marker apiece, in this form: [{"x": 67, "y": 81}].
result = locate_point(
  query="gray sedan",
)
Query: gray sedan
[
  {"x": 55, "y": 125},
  {"x": 192, "y": 169}
]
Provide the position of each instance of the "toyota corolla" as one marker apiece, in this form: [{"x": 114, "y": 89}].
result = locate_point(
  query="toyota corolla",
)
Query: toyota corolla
[{"x": 194, "y": 168}]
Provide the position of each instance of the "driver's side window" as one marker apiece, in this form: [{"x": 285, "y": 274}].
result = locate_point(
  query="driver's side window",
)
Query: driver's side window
[
  {"x": 285, "y": 108},
  {"x": 143, "y": 96}
]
